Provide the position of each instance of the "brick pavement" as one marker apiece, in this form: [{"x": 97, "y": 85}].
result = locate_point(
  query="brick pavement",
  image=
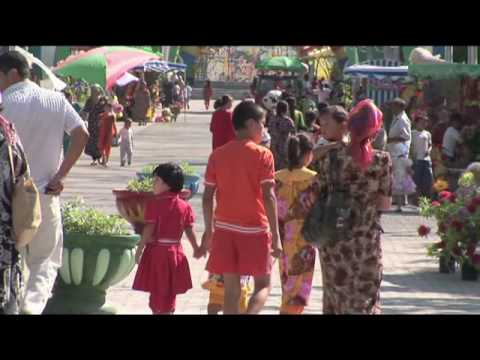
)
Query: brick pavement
[{"x": 411, "y": 283}]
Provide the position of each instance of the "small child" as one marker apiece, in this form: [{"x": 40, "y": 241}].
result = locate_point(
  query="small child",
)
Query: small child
[
  {"x": 422, "y": 162},
  {"x": 403, "y": 184},
  {"x": 108, "y": 132},
  {"x": 216, "y": 285},
  {"x": 126, "y": 142},
  {"x": 298, "y": 258},
  {"x": 163, "y": 269}
]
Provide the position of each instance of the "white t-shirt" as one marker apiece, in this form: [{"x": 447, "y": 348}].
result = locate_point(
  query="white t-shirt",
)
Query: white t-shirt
[
  {"x": 126, "y": 137},
  {"x": 421, "y": 143},
  {"x": 40, "y": 117},
  {"x": 450, "y": 140}
]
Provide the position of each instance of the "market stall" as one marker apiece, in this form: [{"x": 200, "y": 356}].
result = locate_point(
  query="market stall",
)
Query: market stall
[{"x": 381, "y": 82}]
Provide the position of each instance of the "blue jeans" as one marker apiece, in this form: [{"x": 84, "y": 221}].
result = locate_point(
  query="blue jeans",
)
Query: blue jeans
[{"x": 423, "y": 177}]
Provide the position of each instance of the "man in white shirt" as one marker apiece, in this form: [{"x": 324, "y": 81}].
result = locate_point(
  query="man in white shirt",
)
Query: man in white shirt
[
  {"x": 41, "y": 117},
  {"x": 399, "y": 136},
  {"x": 452, "y": 138}
]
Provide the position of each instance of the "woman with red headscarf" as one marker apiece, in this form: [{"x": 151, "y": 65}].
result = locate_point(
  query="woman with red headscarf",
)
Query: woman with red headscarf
[{"x": 352, "y": 266}]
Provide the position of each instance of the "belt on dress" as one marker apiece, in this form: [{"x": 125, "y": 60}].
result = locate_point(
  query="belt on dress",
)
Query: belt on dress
[{"x": 167, "y": 241}]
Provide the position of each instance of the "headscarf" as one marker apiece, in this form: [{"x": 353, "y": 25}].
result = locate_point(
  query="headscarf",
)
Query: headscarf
[{"x": 364, "y": 121}]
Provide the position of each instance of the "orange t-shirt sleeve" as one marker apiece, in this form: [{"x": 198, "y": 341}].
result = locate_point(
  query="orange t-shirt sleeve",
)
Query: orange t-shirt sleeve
[
  {"x": 210, "y": 174},
  {"x": 267, "y": 167},
  {"x": 151, "y": 212}
]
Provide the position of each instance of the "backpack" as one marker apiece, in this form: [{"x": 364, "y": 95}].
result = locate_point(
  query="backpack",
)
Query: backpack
[{"x": 330, "y": 220}]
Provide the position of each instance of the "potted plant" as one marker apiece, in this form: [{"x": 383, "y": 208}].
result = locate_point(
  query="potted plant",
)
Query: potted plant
[
  {"x": 98, "y": 252},
  {"x": 131, "y": 202},
  {"x": 458, "y": 221}
]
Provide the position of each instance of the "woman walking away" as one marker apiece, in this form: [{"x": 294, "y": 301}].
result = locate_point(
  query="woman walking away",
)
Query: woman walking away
[
  {"x": 207, "y": 94},
  {"x": 92, "y": 111},
  {"x": 141, "y": 103},
  {"x": 352, "y": 264},
  {"x": 280, "y": 128},
  {"x": 163, "y": 269},
  {"x": 298, "y": 258},
  {"x": 221, "y": 125},
  {"x": 11, "y": 273},
  {"x": 108, "y": 130}
]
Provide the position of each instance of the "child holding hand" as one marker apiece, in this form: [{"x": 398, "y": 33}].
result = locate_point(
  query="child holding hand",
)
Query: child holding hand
[{"x": 163, "y": 269}]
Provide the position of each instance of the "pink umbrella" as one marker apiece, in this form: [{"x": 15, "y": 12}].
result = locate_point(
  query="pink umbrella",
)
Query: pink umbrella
[{"x": 103, "y": 65}]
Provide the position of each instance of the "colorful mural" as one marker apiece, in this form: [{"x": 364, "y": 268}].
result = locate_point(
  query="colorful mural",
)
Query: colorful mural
[{"x": 237, "y": 63}]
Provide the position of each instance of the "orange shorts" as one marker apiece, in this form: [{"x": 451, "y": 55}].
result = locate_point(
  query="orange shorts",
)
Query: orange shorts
[{"x": 243, "y": 254}]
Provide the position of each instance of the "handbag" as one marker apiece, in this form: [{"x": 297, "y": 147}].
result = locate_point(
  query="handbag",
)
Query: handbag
[
  {"x": 330, "y": 219},
  {"x": 26, "y": 211}
]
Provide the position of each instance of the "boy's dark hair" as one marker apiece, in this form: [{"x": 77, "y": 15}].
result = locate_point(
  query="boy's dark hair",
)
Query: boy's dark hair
[
  {"x": 298, "y": 146},
  {"x": 245, "y": 111},
  {"x": 217, "y": 104},
  {"x": 127, "y": 121},
  {"x": 14, "y": 60},
  {"x": 282, "y": 108},
  {"x": 171, "y": 174},
  {"x": 310, "y": 117},
  {"x": 322, "y": 107}
]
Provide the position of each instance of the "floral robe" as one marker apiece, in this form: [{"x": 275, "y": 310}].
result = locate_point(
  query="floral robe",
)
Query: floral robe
[
  {"x": 11, "y": 277},
  {"x": 352, "y": 268},
  {"x": 298, "y": 258}
]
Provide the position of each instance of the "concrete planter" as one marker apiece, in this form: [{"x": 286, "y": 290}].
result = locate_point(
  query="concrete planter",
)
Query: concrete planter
[{"x": 91, "y": 264}]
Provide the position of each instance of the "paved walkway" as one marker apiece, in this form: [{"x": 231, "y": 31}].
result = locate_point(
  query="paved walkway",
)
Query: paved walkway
[{"x": 412, "y": 284}]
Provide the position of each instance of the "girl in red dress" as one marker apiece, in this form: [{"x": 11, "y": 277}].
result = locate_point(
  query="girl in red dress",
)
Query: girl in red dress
[
  {"x": 221, "y": 125},
  {"x": 163, "y": 269},
  {"x": 207, "y": 93},
  {"x": 108, "y": 130}
]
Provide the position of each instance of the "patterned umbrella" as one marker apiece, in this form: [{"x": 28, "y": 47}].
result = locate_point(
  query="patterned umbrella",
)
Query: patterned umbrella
[{"x": 103, "y": 65}]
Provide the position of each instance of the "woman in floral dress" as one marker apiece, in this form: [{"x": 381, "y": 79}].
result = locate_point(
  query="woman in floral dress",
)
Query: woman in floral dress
[
  {"x": 280, "y": 128},
  {"x": 352, "y": 267},
  {"x": 298, "y": 258},
  {"x": 11, "y": 275}
]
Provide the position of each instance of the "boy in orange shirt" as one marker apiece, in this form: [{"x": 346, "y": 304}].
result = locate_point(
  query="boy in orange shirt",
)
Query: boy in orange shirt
[{"x": 243, "y": 234}]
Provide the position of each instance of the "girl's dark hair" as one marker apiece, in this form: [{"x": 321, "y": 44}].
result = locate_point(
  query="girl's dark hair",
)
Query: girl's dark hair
[
  {"x": 282, "y": 108},
  {"x": 456, "y": 116},
  {"x": 225, "y": 99},
  {"x": 292, "y": 104},
  {"x": 338, "y": 113},
  {"x": 127, "y": 121},
  {"x": 298, "y": 146},
  {"x": 245, "y": 111},
  {"x": 310, "y": 117},
  {"x": 171, "y": 174},
  {"x": 217, "y": 104}
]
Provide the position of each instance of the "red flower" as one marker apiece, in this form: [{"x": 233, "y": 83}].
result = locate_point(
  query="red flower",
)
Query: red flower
[
  {"x": 472, "y": 208},
  {"x": 457, "y": 225},
  {"x": 452, "y": 197},
  {"x": 423, "y": 230},
  {"x": 435, "y": 203},
  {"x": 476, "y": 200},
  {"x": 471, "y": 250},
  {"x": 445, "y": 194}
]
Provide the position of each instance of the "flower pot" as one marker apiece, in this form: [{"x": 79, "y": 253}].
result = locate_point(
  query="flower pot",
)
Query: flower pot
[
  {"x": 91, "y": 264},
  {"x": 469, "y": 273},
  {"x": 131, "y": 205},
  {"x": 446, "y": 265}
]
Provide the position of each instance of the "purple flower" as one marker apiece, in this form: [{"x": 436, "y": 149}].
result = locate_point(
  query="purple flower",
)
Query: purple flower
[
  {"x": 289, "y": 231},
  {"x": 282, "y": 208}
]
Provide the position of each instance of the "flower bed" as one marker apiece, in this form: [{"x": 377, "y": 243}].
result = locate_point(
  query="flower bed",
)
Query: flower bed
[{"x": 458, "y": 223}]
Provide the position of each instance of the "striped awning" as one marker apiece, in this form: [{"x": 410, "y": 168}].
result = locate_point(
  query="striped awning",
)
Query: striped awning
[
  {"x": 394, "y": 73},
  {"x": 160, "y": 66}
]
